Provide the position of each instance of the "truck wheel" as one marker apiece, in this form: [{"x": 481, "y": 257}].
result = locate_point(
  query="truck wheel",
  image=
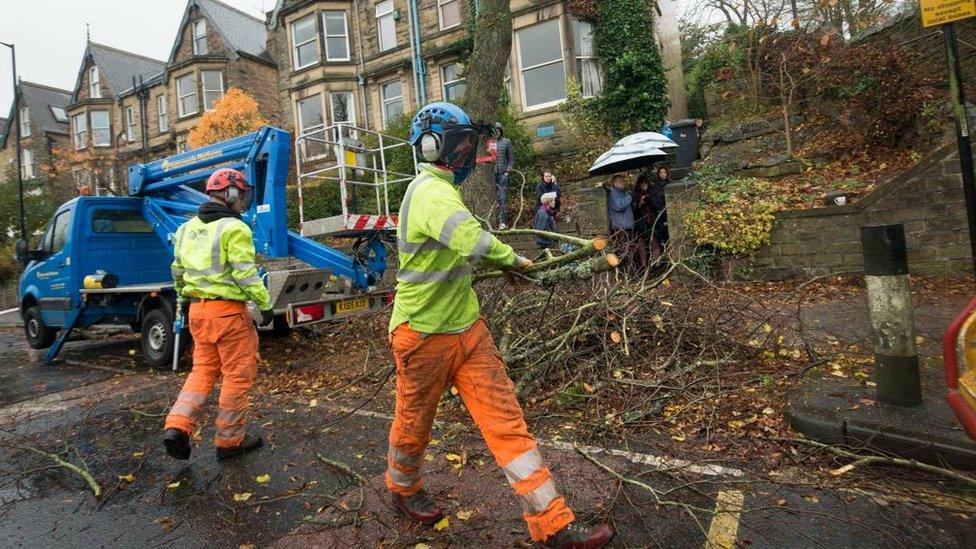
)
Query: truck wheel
[
  {"x": 280, "y": 328},
  {"x": 157, "y": 338},
  {"x": 38, "y": 335}
]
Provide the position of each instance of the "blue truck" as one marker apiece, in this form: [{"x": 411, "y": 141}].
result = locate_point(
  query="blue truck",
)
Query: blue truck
[{"x": 126, "y": 243}]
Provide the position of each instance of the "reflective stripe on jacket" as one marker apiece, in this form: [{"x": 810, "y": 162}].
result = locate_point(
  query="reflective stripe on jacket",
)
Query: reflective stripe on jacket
[
  {"x": 439, "y": 244},
  {"x": 216, "y": 261}
]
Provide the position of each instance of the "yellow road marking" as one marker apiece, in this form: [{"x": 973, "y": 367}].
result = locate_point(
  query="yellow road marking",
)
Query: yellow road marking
[{"x": 724, "y": 530}]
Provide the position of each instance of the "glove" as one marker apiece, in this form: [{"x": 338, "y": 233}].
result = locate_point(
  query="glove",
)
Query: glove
[
  {"x": 267, "y": 317},
  {"x": 522, "y": 263}
]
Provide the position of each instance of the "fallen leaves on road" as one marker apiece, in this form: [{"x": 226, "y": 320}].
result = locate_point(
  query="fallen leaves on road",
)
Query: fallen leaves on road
[
  {"x": 442, "y": 524},
  {"x": 242, "y": 496},
  {"x": 173, "y": 485},
  {"x": 127, "y": 478},
  {"x": 262, "y": 479}
]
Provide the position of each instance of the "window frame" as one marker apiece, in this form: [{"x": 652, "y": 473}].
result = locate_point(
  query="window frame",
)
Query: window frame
[
  {"x": 94, "y": 83},
  {"x": 194, "y": 93},
  {"x": 351, "y": 105},
  {"x": 54, "y": 230},
  {"x": 25, "y": 127},
  {"x": 440, "y": 14},
  {"x": 82, "y": 141},
  {"x": 345, "y": 35},
  {"x": 580, "y": 59},
  {"x": 445, "y": 83},
  {"x": 196, "y": 38},
  {"x": 295, "y": 45},
  {"x": 205, "y": 91},
  {"x": 27, "y": 163},
  {"x": 162, "y": 113},
  {"x": 379, "y": 25},
  {"x": 108, "y": 129},
  {"x": 385, "y": 101},
  {"x": 132, "y": 215},
  {"x": 522, "y": 70},
  {"x": 54, "y": 112},
  {"x": 130, "y": 123},
  {"x": 298, "y": 112}
]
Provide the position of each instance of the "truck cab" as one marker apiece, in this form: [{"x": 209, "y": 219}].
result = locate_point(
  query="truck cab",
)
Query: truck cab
[{"x": 90, "y": 235}]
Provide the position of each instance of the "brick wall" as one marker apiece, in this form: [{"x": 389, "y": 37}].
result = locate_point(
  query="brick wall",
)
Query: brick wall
[
  {"x": 259, "y": 80},
  {"x": 927, "y": 199}
]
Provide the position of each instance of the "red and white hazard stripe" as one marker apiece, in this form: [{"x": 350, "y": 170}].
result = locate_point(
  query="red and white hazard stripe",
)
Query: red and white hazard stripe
[{"x": 370, "y": 222}]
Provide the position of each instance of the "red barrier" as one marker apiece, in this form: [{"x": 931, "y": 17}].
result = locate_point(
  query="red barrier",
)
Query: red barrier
[{"x": 951, "y": 358}]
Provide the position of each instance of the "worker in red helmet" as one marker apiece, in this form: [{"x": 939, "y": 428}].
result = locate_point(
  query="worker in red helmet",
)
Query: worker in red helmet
[{"x": 215, "y": 275}]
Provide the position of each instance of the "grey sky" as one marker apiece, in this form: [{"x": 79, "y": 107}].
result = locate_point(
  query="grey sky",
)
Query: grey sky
[{"x": 50, "y": 34}]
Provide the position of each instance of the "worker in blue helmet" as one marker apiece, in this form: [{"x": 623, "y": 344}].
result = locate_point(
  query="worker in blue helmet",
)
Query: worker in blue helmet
[{"x": 436, "y": 327}]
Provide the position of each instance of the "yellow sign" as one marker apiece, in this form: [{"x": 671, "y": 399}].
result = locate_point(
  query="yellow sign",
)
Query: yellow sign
[
  {"x": 940, "y": 12},
  {"x": 351, "y": 305}
]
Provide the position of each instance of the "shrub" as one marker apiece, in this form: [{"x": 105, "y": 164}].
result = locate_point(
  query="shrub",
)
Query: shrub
[{"x": 734, "y": 214}]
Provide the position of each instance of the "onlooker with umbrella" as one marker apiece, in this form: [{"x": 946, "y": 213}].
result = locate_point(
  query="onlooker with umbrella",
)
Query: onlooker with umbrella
[
  {"x": 544, "y": 220},
  {"x": 660, "y": 230},
  {"x": 620, "y": 206},
  {"x": 547, "y": 185},
  {"x": 504, "y": 162}
]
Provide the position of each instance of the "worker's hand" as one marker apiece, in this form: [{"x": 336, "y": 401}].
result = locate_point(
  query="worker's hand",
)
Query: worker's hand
[
  {"x": 522, "y": 262},
  {"x": 267, "y": 317},
  {"x": 182, "y": 307}
]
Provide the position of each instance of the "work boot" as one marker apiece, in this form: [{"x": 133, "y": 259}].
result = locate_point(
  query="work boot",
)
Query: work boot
[
  {"x": 419, "y": 507},
  {"x": 577, "y": 536},
  {"x": 250, "y": 442},
  {"x": 177, "y": 444}
]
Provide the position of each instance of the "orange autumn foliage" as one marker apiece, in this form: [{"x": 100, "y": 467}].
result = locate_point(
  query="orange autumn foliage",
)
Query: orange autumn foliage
[{"x": 236, "y": 113}]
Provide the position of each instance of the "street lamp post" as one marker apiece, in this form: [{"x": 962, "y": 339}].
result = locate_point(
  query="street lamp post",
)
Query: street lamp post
[{"x": 20, "y": 173}]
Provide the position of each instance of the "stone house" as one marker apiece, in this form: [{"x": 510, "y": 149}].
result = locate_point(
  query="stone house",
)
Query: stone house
[
  {"x": 370, "y": 61},
  {"x": 43, "y": 129},
  {"x": 128, "y": 108}
]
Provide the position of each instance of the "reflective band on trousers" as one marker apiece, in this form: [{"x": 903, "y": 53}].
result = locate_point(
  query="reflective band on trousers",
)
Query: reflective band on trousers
[
  {"x": 523, "y": 466},
  {"x": 231, "y": 416},
  {"x": 230, "y": 432},
  {"x": 188, "y": 404},
  {"x": 404, "y": 459},
  {"x": 538, "y": 500},
  {"x": 403, "y": 479},
  {"x": 418, "y": 277}
]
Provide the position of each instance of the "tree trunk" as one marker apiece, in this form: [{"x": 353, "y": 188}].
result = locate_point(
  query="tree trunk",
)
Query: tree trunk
[{"x": 485, "y": 79}]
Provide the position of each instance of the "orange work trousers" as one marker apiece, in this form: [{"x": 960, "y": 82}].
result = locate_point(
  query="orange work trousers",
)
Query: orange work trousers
[
  {"x": 471, "y": 362},
  {"x": 225, "y": 346}
]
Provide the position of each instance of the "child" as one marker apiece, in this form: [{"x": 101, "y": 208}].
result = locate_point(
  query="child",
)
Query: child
[{"x": 544, "y": 221}]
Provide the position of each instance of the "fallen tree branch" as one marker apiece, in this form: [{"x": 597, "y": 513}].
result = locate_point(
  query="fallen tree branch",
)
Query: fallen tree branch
[
  {"x": 342, "y": 467},
  {"x": 82, "y": 472},
  {"x": 861, "y": 459},
  {"x": 586, "y": 249}
]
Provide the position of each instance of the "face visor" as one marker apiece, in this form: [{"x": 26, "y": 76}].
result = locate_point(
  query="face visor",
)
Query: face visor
[{"x": 460, "y": 145}]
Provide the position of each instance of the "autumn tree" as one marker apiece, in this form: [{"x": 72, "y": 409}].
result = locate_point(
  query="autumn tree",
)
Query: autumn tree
[{"x": 235, "y": 114}]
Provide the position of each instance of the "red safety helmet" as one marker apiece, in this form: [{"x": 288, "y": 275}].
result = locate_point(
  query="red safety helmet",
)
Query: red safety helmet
[{"x": 224, "y": 178}]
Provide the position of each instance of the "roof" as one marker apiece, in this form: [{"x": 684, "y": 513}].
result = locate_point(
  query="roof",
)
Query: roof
[
  {"x": 146, "y": 83},
  {"x": 39, "y": 99},
  {"x": 118, "y": 67},
  {"x": 243, "y": 34}
]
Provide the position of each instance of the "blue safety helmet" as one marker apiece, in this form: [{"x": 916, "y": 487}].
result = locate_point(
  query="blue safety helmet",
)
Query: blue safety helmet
[{"x": 443, "y": 133}]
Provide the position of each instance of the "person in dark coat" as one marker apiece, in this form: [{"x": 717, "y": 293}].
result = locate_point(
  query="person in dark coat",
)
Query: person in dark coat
[
  {"x": 504, "y": 163},
  {"x": 547, "y": 185},
  {"x": 656, "y": 198},
  {"x": 544, "y": 220},
  {"x": 644, "y": 216}
]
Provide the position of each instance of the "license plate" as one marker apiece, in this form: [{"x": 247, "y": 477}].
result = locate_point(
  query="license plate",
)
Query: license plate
[{"x": 351, "y": 305}]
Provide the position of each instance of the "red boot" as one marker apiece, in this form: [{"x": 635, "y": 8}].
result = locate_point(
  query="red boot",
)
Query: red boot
[
  {"x": 577, "y": 536},
  {"x": 419, "y": 507}
]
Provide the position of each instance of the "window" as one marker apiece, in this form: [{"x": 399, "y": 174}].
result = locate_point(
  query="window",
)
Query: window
[
  {"x": 392, "y": 95},
  {"x": 336, "y": 36},
  {"x": 94, "y": 87},
  {"x": 181, "y": 143},
  {"x": 386, "y": 25},
  {"x": 449, "y": 13},
  {"x": 130, "y": 125},
  {"x": 59, "y": 114},
  {"x": 101, "y": 129},
  {"x": 454, "y": 84},
  {"x": 62, "y": 228},
  {"x": 587, "y": 69},
  {"x": 213, "y": 88},
  {"x": 24, "y": 122},
  {"x": 27, "y": 163},
  {"x": 186, "y": 90},
  {"x": 310, "y": 112},
  {"x": 200, "y": 37},
  {"x": 119, "y": 221},
  {"x": 540, "y": 53},
  {"x": 343, "y": 109},
  {"x": 79, "y": 123},
  {"x": 163, "y": 117},
  {"x": 305, "y": 43}
]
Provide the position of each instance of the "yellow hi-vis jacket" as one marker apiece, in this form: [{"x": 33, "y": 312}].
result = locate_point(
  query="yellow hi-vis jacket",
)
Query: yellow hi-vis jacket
[
  {"x": 216, "y": 261},
  {"x": 439, "y": 242}
]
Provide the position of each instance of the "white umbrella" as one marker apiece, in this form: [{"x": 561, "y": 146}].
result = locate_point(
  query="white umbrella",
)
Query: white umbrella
[{"x": 632, "y": 152}]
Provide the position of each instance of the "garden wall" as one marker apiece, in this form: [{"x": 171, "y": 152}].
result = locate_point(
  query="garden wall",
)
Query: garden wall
[{"x": 927, "y": 199}]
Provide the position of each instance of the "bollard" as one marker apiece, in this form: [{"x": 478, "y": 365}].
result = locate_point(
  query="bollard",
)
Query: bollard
[{"x": 892, "y": 317}]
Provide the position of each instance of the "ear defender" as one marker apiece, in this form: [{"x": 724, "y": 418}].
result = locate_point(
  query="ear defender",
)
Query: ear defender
[
  {"x": 430, "y": 146},
  {"x": 233, "y": 195}
]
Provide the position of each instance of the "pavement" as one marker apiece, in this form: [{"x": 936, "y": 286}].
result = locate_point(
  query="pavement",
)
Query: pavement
[{"x": 103, "y": 409}]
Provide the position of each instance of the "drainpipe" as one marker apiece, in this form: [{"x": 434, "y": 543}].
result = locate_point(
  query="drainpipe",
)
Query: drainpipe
[
  {"x": 419, "y": 81},
  {"x": 359, "y": 77}
]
